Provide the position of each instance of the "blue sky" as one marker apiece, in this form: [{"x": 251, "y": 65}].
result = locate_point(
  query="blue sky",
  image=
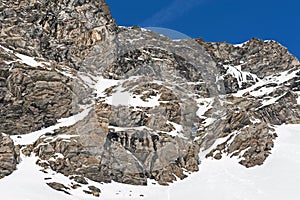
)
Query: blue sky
[{"x": 233, "y": 21}]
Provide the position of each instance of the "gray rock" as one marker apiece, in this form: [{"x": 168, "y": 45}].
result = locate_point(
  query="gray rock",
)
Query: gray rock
[
  {"x": 61, "y": 31},
  {"x": 9, "y": 156},
  {"x": 35, "y": 98},
  {"x": 59, "y": 187}
]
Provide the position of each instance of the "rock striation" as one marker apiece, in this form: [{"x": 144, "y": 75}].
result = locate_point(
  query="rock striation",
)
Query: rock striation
[
  {"x": 9, "y": 156},
  {"x": 59, "y": 30}
]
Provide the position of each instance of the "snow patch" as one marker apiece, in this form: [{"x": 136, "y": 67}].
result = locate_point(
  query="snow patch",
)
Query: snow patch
[
  {"x": 56, "y": 156},
  {"x": 204, "y": 152},
  {"x": 262, "y": 91},
  {"x": 269, "y": 101},
  {"x": 178, "y": 130},
  {"x": 240, "y": 45},
  {"x": 255, "y": 121},
  {"x": 32, "y": 137},
  {"x": 298, "y": 99},
  {"x": 103, "y": 84},
  {"x": 223, "y": 179},
  {"x": 28, "y": 60},
  {"x": 278, "y": 79},
  {"x": 208, "y": 121},
  {"x": 126, "y": 98},
  {"x": 241, "y": 76},
  {"x": 28, "y": 183},
  {"x": 7, "y": 50},
  {"x": 118, "y": 129},
  {"x": 204, "y": 105}
]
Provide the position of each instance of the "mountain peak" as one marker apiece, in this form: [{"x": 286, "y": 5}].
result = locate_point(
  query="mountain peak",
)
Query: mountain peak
[{"x": 96, "y": 103}]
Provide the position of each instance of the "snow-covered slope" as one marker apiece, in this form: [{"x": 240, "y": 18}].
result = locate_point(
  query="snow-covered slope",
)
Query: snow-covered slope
[
  {"x": 140, "y": 93},
  {"x": 88, "y": 106},
  {"x": 225, "y": 179}
]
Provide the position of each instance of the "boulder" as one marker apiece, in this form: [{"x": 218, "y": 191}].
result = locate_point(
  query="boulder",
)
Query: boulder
[{"x": 9, "y": 156}]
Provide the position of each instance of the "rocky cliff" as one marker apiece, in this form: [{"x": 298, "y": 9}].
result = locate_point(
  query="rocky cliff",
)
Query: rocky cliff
[{"x": 94, "y": 101}]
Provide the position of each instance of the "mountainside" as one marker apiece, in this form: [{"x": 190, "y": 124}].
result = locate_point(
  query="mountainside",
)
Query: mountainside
[{"x": 93, "y": 103}]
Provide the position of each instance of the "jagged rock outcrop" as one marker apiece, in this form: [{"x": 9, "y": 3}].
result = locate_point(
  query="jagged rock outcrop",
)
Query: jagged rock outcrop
[
  {"x": 34, "y": 98},
  {"x": 60, "y": 30},
  {"x": 56, "y": 35},
  {"x": 9, "y": 156},
  {"x": 260, "y": 58},
  {"x": 103, "y": 154},
  {"x": 141, "y": 105},
  {"x": 260, "y": 94}
]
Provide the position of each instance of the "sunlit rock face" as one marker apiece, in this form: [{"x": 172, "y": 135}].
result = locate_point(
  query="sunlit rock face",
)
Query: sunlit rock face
[{"x": 110, "y": 103}]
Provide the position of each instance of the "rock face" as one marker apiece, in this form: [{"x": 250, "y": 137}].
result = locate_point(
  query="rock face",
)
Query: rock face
[
  {"x": 128, "y": 104},
  {"x": 33, "y": 98},
  {"x": 260, "y": 79},
  {"x": 129, "y": 156},
  {"x": 257, "y": 57},
  {"x": 58, "y": 34},
  {"x": 9, "y": 156},
  {"x": 59, "y": 30}
]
